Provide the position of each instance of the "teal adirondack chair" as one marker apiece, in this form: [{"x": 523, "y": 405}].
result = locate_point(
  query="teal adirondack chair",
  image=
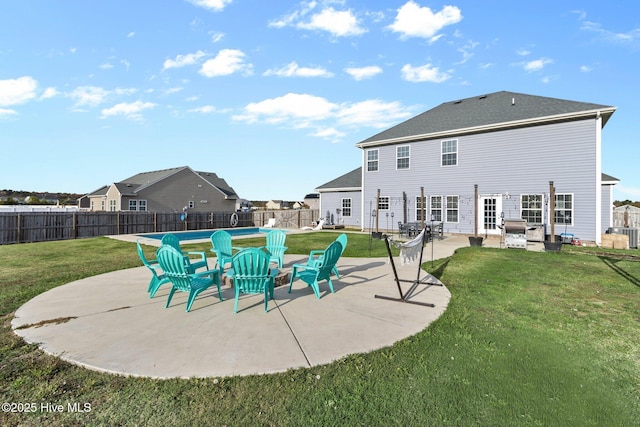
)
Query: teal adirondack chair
[
  {"x": 312, "y": 274},
  {"x": 157, "y": 278},
  {"x": 275, "y": 246},
  {"x": 191, "y": 263},
  {"x": 315, "y": 257},
  {"x": 222, "y": 245},
  {"x": 252, "y": 274},
  {"x": 172, "y": 263}
]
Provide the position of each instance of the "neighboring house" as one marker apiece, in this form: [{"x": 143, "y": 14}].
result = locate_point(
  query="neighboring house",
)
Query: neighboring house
[
  {"x": 511, "y": 145},
  {"x": 343, "y": 193},
  {"x": 312, "y": 200},
  {"x": 168, "y": 190},
  {"x": 276, "y": 204}
]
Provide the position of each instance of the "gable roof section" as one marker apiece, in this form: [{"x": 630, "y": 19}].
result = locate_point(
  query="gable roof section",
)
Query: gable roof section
[
  {"x": 351, "y": 181},
  {"x": 489, "y": 112},
  {"x": 134, "y": 184},
  {"x": 219, "y": 183},
  {"x": 608, "y": 179}
]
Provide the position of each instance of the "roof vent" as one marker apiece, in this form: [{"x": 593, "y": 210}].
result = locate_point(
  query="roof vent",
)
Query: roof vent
[
  {"x": 458, "y": 102},
  {"x": 513, "y": 101},
  {"x": 483, "y": 97}
]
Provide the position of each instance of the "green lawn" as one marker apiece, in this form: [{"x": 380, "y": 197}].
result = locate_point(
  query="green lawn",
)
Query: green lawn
[{"x": 528, "y": 339}]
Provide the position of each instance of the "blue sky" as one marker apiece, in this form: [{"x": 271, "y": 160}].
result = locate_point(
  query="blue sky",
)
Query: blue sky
[{"x": 274, "y": 95}]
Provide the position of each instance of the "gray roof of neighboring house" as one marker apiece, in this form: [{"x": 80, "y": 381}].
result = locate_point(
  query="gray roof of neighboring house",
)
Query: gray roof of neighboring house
[
  {"x": 608, "y": 178},
  {"x": 130, "y": 186},
  {"x": 349, "y": 180},
  {"x": 487, "y": 112},
  {"x": 102, "y": 191}
]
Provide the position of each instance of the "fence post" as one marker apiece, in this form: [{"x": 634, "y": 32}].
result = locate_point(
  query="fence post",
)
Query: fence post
[
  {"x": 74, "y": 225},
  {"x": 19, "y": 227}
]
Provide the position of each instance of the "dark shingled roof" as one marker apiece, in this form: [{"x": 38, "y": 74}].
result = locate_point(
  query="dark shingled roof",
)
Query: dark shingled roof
[
  {"x": 485, "y": 111},
  {"x": 133, "y": 184},
  {"x": 351, "y": 179}
]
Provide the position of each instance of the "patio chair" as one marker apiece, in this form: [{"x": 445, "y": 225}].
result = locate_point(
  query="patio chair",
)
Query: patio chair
[
  {"x": 252, "y": 274},
  {"x": 275, "y": 246},
  {"x": 192, "y": 264},
  {"x": 270, "y": 223},
  {"x": 438, "y": 231},
  {"x": 221, "y": 243},
  {"x": 172, "y": 263},
  {"x": 157, "y": 278},
  {"x": 316, "y": 257},
  {"x": 316, "y": 228},
  {"x": 311, "y": 275},
  {"x": 402, "y": 229}
]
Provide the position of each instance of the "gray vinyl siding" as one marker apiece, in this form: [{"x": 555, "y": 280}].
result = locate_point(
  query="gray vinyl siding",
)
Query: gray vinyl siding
[
  {"x": 329, "y": 201},
  {"x": 607, "y": 208},
  {"x": 516, "y": 161},
  {"x": 174, "y": 192}
]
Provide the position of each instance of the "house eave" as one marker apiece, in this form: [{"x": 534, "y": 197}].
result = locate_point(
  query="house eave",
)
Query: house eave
[
  {"x": 341, "y": 189},
  {"x": 493, "y": 127}
]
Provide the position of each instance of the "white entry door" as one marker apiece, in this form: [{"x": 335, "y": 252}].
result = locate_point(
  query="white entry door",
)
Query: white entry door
[{"x": 489, "y": 214}]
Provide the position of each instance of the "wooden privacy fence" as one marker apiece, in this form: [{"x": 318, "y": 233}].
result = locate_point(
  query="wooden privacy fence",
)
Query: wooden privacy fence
[{"x": 24, "y": 227}]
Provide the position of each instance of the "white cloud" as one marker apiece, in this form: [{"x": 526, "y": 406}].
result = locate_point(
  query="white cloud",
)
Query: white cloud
[
  {"x": 130, "y": 110},
  {"x": 92, "y": 96},
  {"x": 361, "y": 73},
  {"x": 424, "y": 73},
  {"x": 125, "y": 63},
  {"x": 131, "y": 34},
  {"x": 630, "y": 36},
  {"x": 339, "y": 23},
  {"x": 415, "y": 21},
  {"x": 216, "y": 37},
  {"x": 215, "y": 5},
  {"x": 5, "y": 112},
  {"x": 291, "y": 106},
  {"x": 206, "y": 109},
  {"x": 304, "y": 111},
  {"x": 183, "y": 60},
  {"x": 294, "y": 70},
  {"x": 329, "y": 133},
  {"x": 106, "y": 66},
  {"x": 373, "y": 113},
  {"x": 228, "y": 61},
  {"x": 49, "y": 92},
  {"x": 17, "y": 91},
  {"x": 537, "y": 65},
  {"x": 586, "y": 68}
]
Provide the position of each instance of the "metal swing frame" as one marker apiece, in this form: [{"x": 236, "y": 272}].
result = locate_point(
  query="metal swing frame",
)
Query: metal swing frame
[{"x": 404, "y": 297}]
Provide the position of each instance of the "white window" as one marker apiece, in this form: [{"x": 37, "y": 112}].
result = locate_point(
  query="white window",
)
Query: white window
[
  {"x": 436, "y": 208},
  {"x": 564, "y": 209},
  {"x": 531, "y": 208},
  {"x": 419, "y": 208},
  {"x": 402, "y": 157},
  {"x": 192, "y": 204},
  {"x": 346, "y": 207},
  {"x": 372, "y": 160},
  {"x": 112, "y": 205},
  {"x": 452, "y": 208},
  {"x": 450, "y": 152},
  {"x": 133, "y": 205},
  {"x": 142, "y": 205},
  {"x": 102, "y": 202},
  {"x": 383, "y": 203}
]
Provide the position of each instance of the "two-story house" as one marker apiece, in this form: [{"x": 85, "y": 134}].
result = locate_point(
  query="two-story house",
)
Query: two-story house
[
  {"x": 168, "y": 190},
  {"x": 517, "y": 149}
]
